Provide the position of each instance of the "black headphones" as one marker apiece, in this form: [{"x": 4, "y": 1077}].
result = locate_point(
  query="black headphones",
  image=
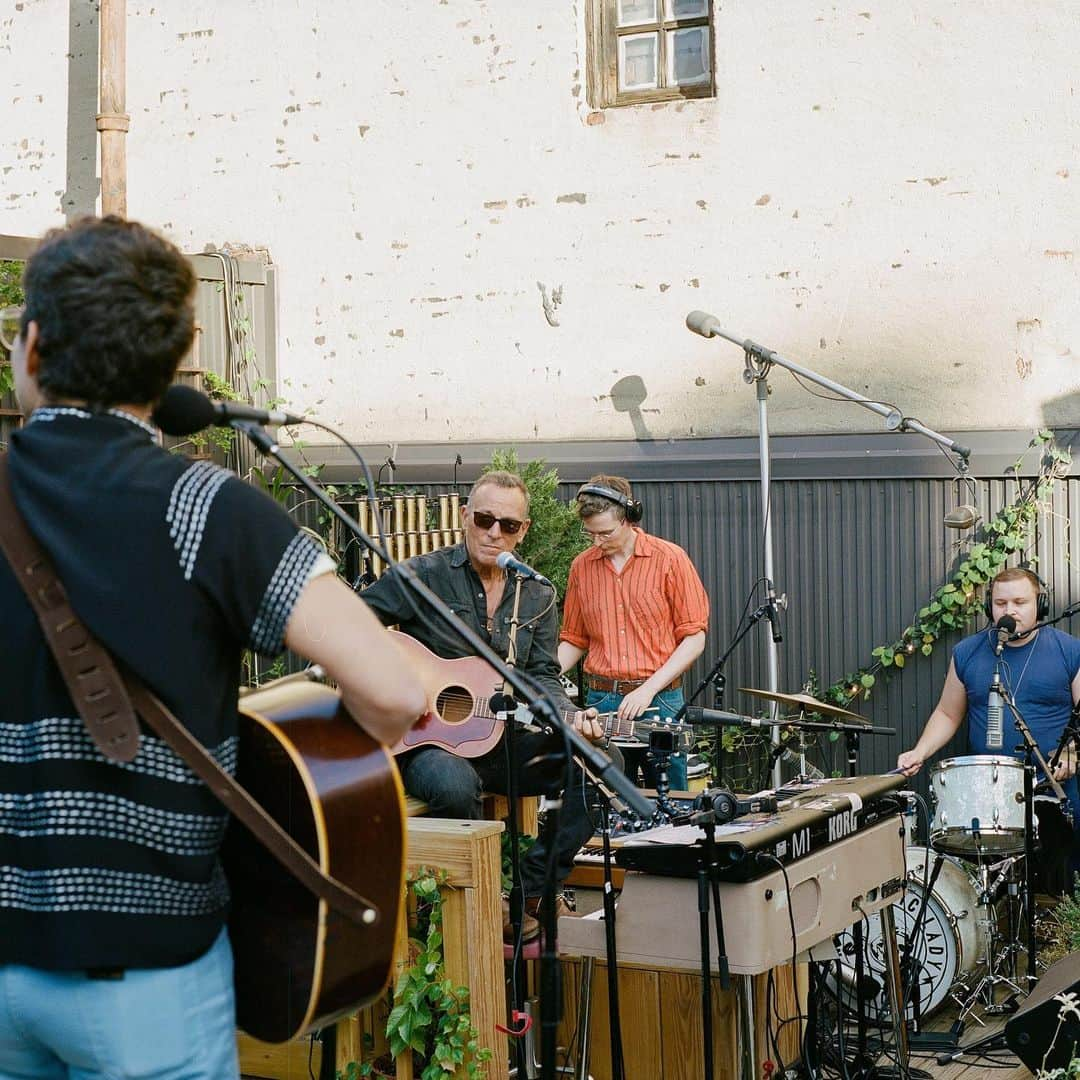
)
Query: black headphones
[
  {"x": 634, "y": 510},
  {"x": 1042, "y": 608}
]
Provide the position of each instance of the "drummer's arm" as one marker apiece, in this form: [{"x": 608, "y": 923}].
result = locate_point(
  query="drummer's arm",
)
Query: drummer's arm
[
  {"x": 943, "y": 724},
  {"x": 1066, "y": 768}
]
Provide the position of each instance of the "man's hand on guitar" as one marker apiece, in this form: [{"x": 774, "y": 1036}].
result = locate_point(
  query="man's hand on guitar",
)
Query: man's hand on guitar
[{"x": 587, "y": 725}]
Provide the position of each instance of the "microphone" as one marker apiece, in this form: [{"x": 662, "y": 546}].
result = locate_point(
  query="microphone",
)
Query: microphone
[
  {"x": 772, "y": 611},
  {"x": 1006, "y": 627},
  {"x": 701, "y": 322},
  {"x": 811, "y": 772},
  {"x": 696, "y": 715},
  {"x": 961, "y": 517},
  {"x": 506, "y": 561},
  {"x": 995, "y": 704},
  {"x": 183, "y": 410},
  {"x": 995, "y": 715}
]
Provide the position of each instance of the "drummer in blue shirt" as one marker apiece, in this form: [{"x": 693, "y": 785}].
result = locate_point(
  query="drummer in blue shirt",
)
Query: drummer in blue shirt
[{"x": 1040, "y": 669}]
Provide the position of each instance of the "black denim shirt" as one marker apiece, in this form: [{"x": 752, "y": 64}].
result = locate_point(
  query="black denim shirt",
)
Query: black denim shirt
[{"x": 450, "y": 575}]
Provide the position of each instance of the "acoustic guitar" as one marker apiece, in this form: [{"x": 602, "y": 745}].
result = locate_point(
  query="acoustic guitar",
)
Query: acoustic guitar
[
  {"x": 459, "y": 716},
  {"x": 299, "y": 964}
]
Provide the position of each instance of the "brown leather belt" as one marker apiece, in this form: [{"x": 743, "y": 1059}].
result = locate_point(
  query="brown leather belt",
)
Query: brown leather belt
[{"x": 624, "y": 686}]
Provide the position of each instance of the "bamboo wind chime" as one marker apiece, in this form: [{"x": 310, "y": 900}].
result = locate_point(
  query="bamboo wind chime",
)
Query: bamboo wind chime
[{"x": 405, "y": 526}]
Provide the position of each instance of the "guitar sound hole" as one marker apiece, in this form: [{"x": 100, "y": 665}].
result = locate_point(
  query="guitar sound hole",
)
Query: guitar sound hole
[{"x": 455, "y": 704}]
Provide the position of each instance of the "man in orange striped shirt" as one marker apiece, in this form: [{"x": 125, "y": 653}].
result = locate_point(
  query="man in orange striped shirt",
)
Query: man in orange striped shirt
[{"x": 636, "y": 610}]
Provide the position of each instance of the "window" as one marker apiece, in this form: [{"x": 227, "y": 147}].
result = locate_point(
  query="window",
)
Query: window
[{"x": 649, "y": 50}]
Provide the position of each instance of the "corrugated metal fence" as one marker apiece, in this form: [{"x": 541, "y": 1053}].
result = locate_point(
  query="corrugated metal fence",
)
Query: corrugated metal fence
[{"x": 857, "y": 559}]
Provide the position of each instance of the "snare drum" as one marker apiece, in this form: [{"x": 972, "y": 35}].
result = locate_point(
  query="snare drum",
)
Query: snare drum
[{"x": 986, "y": 788}]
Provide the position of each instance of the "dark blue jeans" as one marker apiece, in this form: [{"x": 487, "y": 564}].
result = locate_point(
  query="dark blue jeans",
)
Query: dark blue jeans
[
  {"x": 668, "y": 702},
  {"x": 452, "y": 787}
]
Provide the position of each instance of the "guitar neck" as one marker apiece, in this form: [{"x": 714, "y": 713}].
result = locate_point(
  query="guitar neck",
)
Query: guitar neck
[{"x": 617, "y": 728}]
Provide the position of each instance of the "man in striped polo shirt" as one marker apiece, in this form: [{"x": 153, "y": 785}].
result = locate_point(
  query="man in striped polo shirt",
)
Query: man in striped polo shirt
[
  {"x": 114, "y": 956},
  {"x": 636, "y": 610}
]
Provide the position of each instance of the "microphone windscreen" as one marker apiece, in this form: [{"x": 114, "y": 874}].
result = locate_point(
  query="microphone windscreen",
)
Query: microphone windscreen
[
  {"x": 183, "y": 410},
  {"x": 1006, "y": 623},
  {"x": 701, "y": 322}
]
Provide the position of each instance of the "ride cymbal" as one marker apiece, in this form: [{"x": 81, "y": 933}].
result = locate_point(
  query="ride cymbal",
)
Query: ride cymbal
[{"x": 804, "y": 703}]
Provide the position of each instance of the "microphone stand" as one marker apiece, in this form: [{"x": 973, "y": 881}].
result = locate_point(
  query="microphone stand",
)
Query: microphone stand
[
  {"x": 540, "y": 702},
  {"x": 506, "y": 709},
  {"x": 718, "y": 679},
  {"x": 759, "y": 361}
]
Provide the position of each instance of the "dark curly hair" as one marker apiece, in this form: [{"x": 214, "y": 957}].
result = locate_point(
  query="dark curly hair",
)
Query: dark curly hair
[{"x": 113, "y": 305}]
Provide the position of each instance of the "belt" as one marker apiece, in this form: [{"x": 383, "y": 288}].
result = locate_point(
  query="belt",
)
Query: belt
[{"x": 624, "y": 686}]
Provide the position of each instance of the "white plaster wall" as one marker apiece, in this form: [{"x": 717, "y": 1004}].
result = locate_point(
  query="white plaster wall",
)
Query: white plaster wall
[{"x": 885, "y": 192}]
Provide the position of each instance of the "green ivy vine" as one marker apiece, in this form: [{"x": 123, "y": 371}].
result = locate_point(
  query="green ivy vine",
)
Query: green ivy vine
[
  {"x": 11, "y": 293},
  {"x": 430, "y": 1015},
  {"x": 954, "y": 603}
]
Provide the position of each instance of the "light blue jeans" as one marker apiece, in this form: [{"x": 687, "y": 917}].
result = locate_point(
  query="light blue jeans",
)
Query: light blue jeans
[
  {"x": 668, "y": 702},
  {"x": 160, "y": 1023}
]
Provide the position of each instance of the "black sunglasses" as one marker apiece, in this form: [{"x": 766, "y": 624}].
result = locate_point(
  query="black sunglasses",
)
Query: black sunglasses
[{"x": 510, "y": 526}]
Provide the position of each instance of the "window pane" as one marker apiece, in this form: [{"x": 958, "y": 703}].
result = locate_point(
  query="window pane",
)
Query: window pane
[
  {"x": 686, "y": 9},
  {"x": 688, "y": 56},
  {"x": 635, "y": 12},
  {"x": 637, "y": 61}
]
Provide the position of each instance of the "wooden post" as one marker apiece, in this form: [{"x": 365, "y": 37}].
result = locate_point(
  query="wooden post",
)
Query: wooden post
[{"x": 112, "y": 119}]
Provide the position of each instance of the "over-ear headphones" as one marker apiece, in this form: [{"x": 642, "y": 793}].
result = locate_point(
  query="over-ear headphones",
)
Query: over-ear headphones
[
  {"x": 1042, "y": 604},
  {"x": 633, "y": 507}
]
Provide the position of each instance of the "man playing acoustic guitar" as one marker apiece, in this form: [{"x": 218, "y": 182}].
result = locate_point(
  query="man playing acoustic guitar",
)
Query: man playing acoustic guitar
[
  {"x": 468, "y": 578},
  {"x": 114, "y": 958}
]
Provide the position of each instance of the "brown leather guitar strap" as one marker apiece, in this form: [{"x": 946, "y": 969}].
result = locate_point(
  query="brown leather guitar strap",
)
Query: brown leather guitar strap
[{"x": 108, "y": 701}]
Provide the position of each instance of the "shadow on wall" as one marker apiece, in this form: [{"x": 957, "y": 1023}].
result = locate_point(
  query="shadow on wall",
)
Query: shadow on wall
[
  {"x": 1063, "y": 412},
  {"x": 82, "y": 182},
  {"x": 627, "y": 396}
]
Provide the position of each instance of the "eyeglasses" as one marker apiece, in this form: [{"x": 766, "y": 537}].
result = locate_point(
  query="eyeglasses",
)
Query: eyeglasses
[
  {"x": 484, "y": 520},
  {"x": 10, "y": 326},
  {"x": 602, "y": 536}
]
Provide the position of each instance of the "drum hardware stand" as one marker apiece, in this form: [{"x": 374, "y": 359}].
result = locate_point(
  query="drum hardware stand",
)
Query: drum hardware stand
[
  {"x": 1031, "y": 755},
  {"x": 1001, "y": 966}
]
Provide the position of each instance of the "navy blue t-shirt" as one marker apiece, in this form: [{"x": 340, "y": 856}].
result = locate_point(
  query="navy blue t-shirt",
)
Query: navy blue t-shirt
[{"x": 1039, "y": 676}]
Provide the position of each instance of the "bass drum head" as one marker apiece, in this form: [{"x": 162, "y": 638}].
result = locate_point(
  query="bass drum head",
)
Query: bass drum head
[{"x": 948, "y": 947}]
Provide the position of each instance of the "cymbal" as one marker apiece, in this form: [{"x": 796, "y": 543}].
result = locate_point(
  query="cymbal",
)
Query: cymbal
[{"x": 803, "y": 702}]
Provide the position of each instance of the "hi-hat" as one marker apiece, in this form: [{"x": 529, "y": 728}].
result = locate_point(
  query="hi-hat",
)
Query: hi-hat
[{"x": 804, "y": 703}]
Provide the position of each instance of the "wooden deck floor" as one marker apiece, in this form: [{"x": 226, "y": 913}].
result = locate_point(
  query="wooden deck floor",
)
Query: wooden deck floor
[{"x": 1003, "y": 1066}]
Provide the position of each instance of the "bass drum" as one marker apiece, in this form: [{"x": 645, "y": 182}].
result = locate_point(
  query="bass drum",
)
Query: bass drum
[{"x": 950, "y": 946}]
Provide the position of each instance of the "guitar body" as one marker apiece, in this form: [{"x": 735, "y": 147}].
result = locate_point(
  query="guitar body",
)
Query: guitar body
[
  {"x": 458, "y": 718},
  {"x": 336, "y": 791}
]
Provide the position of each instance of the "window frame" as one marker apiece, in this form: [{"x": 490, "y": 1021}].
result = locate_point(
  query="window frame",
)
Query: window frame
[{"x": 603, "y": 34}]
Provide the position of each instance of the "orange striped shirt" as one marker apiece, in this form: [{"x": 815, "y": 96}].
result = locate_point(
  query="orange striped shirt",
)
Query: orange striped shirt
[{"x": 631, "y": 622}]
